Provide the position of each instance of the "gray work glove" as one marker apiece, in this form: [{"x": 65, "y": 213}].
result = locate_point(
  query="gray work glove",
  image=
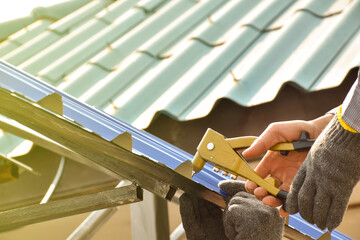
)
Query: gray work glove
[
  {"x": 246, "y": 217},
  {"x": 201, "y": 219},
  {"x": 322, "y": 187}
]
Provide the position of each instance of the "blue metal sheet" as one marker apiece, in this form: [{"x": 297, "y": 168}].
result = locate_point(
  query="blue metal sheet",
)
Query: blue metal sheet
[{"x": 109, "y": 127}]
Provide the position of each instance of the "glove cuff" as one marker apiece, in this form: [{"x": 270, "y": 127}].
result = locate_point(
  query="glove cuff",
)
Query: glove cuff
[
  {"x": 342, "y": 138},
  {"x": 342, "y": 122}
]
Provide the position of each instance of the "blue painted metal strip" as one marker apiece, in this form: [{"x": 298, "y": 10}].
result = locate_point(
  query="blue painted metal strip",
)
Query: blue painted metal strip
[{"x": 109, "y": 127}]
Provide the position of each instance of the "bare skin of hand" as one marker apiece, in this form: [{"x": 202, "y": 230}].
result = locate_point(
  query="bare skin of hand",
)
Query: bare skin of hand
[{"x": 282, "y": 168}]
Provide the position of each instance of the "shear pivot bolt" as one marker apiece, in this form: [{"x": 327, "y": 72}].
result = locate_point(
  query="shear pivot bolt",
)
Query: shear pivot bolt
[{"x": 210, "y": 146}]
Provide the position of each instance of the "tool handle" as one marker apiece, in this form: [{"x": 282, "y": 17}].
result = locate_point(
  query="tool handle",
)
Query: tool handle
[
  {"x": 303, "y": 143},
  {"x": 282, "y": 195}
]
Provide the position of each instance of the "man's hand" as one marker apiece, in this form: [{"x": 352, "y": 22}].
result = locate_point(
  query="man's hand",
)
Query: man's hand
[
  {"x": 282, "y": 168},
  {"x": 201, "y": 219},
  {"x": 245, "y": 217},
  {"x": 322, "y": 187}
]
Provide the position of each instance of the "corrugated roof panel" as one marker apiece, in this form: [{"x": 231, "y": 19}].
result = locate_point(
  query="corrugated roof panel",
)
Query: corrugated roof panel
[
  {"x": 282, "y": 73},
  {"x": 79, "y": 81},
  {"x": 141, "y": 33},
  {"x": 114, "y": 10},
  {"x": 347, "y": 58},
  {"x": 7, "y": 47},
  {"x": 30, "y": 32},
  {"x": 327, "y": 45},
  {"x": 54, "y": 32},
  {"x": 117, "y": 80},
  {"x": 317, "y": 8},
  {"x": 150, "y": 5},
  {"x": 242, "y": 50},
  {"x": 49, "y": 55},
  {"x": 223, "y": 20},
  {"x": 323, "y": 9},
  {"x": 291, "y": 55},
  {"x": 265, "y": 13},
  {"x": 182, "y": 93},
  {"x": 128, "y": 104},
  {"x": 81, "y": 15},
  {"x": 51, "y": 12},
  {"x": 178, "y": 29},
  {"x": 31, "y": 48},
  {"x": 69, "y": 61},
  {"x": 203, "y": 74}
]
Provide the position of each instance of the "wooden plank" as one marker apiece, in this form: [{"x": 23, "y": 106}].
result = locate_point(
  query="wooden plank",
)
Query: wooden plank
[{"x": 66, "y": 207}]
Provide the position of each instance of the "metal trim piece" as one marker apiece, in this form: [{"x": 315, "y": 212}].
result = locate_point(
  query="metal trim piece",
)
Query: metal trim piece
[{"x": 70, "y": 206}]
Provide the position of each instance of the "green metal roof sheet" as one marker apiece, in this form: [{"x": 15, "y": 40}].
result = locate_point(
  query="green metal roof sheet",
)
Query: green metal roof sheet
[
  {"x": 52, "y": 13},
  {"x": 136, "y": 58}
]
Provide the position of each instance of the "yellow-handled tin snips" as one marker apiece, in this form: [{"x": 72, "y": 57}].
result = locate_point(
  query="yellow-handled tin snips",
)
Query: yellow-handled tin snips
[{"x": 221, "y": 152}]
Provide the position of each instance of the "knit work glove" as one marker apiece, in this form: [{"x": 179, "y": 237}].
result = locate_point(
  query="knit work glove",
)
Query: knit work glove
[
  {"x": 201, "y": 219},
  {"x": 322, "y": 187},
  {"x": 246, "y": 217}
]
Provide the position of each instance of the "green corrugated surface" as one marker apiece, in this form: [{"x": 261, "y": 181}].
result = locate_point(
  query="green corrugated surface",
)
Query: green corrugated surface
[
  {"x": 135, "y": 58},
  {"x": 52, "y": 13}
]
